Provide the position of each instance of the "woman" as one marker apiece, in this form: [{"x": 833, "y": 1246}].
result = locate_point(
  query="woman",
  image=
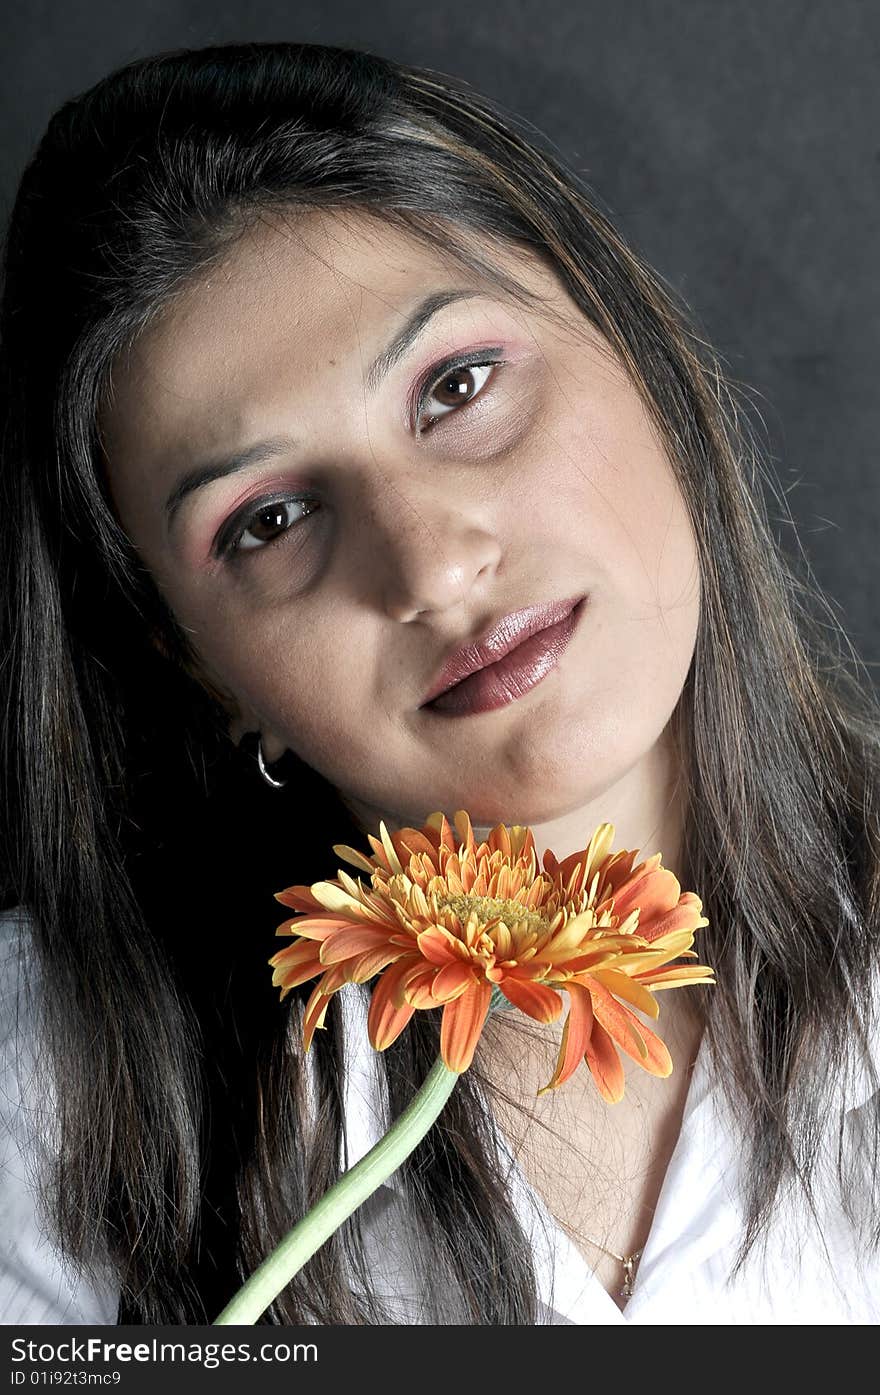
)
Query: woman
[{"x": 319, "y": 373}]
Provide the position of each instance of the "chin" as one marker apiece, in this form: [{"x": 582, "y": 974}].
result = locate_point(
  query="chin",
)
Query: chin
[{"x": 520, "y": 806}]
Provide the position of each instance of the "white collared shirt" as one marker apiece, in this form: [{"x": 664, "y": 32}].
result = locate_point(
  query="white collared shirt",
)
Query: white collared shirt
[{"x": 683, "y": 1276}]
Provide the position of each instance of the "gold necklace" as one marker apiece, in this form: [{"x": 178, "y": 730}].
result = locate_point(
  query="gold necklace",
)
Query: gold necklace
[{"x": 629, "y": 1263}]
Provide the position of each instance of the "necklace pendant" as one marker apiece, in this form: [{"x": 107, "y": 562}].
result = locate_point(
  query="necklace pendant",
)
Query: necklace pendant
[{"x": 629, "y": 1267}]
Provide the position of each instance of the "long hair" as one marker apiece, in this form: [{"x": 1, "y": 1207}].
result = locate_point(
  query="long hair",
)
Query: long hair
[{"x": 145, "y": 847}]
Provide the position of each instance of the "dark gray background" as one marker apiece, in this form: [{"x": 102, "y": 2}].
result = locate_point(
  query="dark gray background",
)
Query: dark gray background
[{"x": 736, "y": 146}]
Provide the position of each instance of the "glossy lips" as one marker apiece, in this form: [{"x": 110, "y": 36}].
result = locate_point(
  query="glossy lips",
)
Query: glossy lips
[{"x": 510, "y": 660}]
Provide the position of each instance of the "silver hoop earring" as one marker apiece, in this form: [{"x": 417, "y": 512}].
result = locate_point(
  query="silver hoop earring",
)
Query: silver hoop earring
[{"x": 276, "y": 784}]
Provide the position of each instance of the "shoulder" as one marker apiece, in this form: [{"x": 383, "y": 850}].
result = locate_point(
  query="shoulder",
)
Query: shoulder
[
  {"x": 18, "y": 996},
  {"x": 863, "y": 1080},
  {"x": 15, "y": 937},
  {"x": 36, "y": 1285}
]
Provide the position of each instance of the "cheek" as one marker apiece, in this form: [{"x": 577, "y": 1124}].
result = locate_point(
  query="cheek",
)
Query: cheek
[
  {"x": 290, "y": 676},
  {"x": 624, "y": 505},
  {"x": 659, "y": 535}
]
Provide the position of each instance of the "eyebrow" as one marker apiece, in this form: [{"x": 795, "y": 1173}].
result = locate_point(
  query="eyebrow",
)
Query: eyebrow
[
  {"x": 410, "y": 331},
  {"x": 274, "y": 446}
]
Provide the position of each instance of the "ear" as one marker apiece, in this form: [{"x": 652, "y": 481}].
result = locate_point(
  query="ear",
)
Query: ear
[
  {"x": 273, "y": 747},
  {"x": 243, "y": 720}
]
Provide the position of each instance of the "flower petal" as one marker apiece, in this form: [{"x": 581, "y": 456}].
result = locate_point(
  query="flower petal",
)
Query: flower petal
[
  {"x": 334, "y": 898},
  {"x": 385, "y": 1022},
  {"x": 499, "y": 841},
  {"x": 364, "y": 966},
  {"x": 615, "y": 871},
  {"x": 618, "y": 1022},
  {"x": 439, "y": 824},
  {"x": 630, "y": 989},
  {"x": 657, "y": 1060},
  {"x": 462, "y": 1024},
  {"x": 357, "y": 859},
  {"x": 439, "y": 947},
  {"x": 575, "y": 1036},
  {"x": 605, "y": 1065},
  {"x": 599, "y": 849},
  {"x": 687, "y": 915},
  {"x": 568, "y": 939},
  {"x": 602, "y": 951},
  {"x": 584, "y": 863},
  {"x": 661, "y": 952},
  {"x": 652, "y": 889},
  {"x": 415, "y": 843},
  {"x": 316, "y": 1011},
  {"x": 299, "y": 897},
  {"x": 677, "y": 977},
  {"x": 631, "y": 1035},
  {"x": 355, "y": 939},
  {"x": 295, "y": 965},
  {"x": 536, "y": 999},
  {"x": 296, "y": 953},
  {"x": 419, "y": 990},
  {"x": 463, "y": 828},
  {"x": 382, "y": 847},
  {"x": 314, "y": 927},
  {"x": 451, "y": 982},
  {"x": 417, "y": 973}
]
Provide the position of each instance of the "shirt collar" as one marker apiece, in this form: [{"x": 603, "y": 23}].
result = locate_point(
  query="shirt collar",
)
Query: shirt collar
[{"x": 364, "y": 1114}]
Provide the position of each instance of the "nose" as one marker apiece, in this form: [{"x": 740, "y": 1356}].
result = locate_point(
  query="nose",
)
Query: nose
[{"x": 427, "y": 548}]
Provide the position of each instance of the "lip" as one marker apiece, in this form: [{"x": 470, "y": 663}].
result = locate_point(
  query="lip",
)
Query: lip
[{"x": 540, "y": 631}]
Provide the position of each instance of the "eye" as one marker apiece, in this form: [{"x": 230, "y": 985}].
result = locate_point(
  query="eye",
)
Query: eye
[
  {"x": 453, "y": 387},
  {"x": 266, "y": 523}
]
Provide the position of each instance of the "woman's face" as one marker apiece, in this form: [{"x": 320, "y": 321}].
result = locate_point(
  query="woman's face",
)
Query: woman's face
[{"x": 401, "y": 513}]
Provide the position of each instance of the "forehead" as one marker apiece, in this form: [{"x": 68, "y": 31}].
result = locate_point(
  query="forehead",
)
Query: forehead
[{"x": 295, "y": 294}]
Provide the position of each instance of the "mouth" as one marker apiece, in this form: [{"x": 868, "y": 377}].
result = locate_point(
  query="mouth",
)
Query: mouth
[{"x": 511, "y": 660}]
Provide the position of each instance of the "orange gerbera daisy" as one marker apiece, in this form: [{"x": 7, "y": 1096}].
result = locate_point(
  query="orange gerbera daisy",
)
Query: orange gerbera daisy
[{"x": 448, "y": 921}]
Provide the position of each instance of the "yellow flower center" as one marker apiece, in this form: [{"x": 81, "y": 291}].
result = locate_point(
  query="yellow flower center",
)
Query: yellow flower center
[{"x": 492, "y": 908}]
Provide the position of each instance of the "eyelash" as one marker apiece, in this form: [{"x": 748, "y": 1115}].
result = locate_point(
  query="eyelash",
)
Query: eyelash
[
  {"x": 436, "y": 374},
  {"x": 229, "y": 543}
]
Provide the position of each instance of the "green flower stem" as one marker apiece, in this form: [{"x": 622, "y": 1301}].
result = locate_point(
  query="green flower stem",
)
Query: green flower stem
[{"x": 344, "y": 1197}]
